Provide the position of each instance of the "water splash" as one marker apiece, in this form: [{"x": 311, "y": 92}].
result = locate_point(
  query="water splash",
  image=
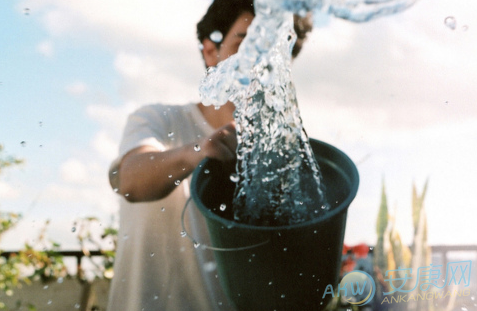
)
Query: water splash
[
  {"x": 279, "y": 179},
  {"x": 450, "y": 22}
]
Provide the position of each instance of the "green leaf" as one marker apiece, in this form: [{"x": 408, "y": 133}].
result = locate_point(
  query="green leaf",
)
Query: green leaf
[{"x": 382, "y": 221}]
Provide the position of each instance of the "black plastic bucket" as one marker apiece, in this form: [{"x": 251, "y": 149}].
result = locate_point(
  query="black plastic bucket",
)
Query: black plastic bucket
[{"x": 278, "y": 268}]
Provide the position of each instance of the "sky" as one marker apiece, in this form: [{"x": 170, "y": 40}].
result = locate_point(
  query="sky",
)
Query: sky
[{"x": 396, "y": 94}]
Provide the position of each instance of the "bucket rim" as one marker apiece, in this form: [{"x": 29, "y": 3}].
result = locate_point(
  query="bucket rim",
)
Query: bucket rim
[{"x": 342, "y": 206}]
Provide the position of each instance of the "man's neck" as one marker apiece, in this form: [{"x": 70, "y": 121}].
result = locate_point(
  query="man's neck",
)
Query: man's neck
[{"x": 217, "y": 117}]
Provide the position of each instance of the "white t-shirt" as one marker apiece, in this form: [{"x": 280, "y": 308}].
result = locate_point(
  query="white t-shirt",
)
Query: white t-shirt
[{"x": 156, "y": 268}]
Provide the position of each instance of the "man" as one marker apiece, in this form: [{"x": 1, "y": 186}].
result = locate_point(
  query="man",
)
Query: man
[{"x": 156, "y": 268}]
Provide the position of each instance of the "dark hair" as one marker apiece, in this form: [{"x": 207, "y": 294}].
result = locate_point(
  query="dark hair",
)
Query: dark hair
[{"x": 221, "y": 15}]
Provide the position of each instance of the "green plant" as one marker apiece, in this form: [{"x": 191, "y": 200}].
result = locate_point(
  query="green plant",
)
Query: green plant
[
  {"x": 106, "y": 243},
  {"x": 7, "y": 160},
  {"x": 391, "y": 254}
]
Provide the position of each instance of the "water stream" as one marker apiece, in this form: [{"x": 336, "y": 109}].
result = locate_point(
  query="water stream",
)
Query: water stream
[{"x": 279, "y": 180}]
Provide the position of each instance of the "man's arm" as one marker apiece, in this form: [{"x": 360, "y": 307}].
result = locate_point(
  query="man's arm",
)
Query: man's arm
[{"x": 146, "y": 174}]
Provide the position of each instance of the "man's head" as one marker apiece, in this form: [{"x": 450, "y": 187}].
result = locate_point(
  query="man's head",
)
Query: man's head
[
  {"x": 220, "y": 17},
  {"x": 223, "y": 27},
  {"x": 225, "y": 24},
  {"x": 302, "y": 25}
]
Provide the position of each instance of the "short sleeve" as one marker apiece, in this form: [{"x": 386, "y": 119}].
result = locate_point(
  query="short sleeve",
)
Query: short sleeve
[{"x": 147, "y": 126}]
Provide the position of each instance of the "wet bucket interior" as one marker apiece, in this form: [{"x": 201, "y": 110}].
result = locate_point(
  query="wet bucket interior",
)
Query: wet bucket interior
[{"x": 278, "y": 268}]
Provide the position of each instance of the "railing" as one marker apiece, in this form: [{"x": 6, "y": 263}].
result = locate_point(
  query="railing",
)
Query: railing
[
  {"x": 441, "y": 250},
  {"x": 86, "y": 304}
]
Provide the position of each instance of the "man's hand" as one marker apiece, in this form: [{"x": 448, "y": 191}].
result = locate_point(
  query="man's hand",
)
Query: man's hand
[
  {"x": 147, "y": 174},
  {"x": 222, "y": 144}
]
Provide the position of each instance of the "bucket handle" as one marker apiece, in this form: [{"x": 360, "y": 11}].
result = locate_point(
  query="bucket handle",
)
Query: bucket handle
[{"x": 204, "y": 246}]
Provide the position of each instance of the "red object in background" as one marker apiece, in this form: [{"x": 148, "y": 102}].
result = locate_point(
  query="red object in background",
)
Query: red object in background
[
  {"x": 352, "y": 253},
  {"x": 348, "y": 265},
  {"x": 359, "y": 251}
]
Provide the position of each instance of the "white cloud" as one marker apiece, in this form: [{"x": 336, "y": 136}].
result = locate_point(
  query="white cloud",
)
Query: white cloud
[
  {"x": 59, "y": 23},
  {"x": 105, "y": 145},
  {"x": 46, "y": 48},
  {"x": 8, "y": 192},
  {"x": 147, "y": 78},
  {"x": 117, "y": 20},
  {"x": 76, "y": 88},
  {"x": 74, "y": 171}
]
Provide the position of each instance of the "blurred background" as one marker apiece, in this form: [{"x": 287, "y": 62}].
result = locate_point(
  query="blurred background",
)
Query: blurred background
[{"x": 397, "y": 94}]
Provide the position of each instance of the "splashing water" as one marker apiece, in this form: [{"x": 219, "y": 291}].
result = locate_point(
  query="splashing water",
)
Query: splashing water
[{"x": 279, "y": 179}]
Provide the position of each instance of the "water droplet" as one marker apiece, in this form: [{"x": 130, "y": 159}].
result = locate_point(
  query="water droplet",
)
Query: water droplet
[
  {"x": 45, "y": 287},
  {"x": 282, "y": 296},
  {"x": 156, "y": 297},
  {"x": 126, "y": 195},
  {"x": 23, "y": 143},
  {"x": 152, "y": 254},
  {"x": 223, "y": 207},
  {"x": 196, "y": 244},
  {"x": 116, "y": 190},
  {"x": 77, "y": 305},
  {"x": 210, "y": 266},
  {"x": 216, "y": 36},
  {"x": 220, "y": 303},
  {"x": 60, "y": 280},
  {"x": 450, "y": 22},
  {"x": 201, "y": 46},
  {"x": 183, "y": 233},
  {"x": 163, "y": 209},
  {"x": 206, "y": 171},
  {"x": 170, "y": 134},
  {"x": 169, "y": 176},
  {"x": 217, "y": 107},
  {"x": 197, "y": 148},
  {"x": 285, "y": 249},
  {"x": 49, "y": 301},
  {"x": 234, "y": 177},
  {"x": 73, "y": 229},
  {"x": 151, "y": 157},
  {"x": 177, "y": 182},
  {"x": 270, "y": 283}
]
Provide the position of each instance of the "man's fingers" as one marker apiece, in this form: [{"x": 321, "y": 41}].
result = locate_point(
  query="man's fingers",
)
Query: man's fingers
[{"x": 230, "y": 137}]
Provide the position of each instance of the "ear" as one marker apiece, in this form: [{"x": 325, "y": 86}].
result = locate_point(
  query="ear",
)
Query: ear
[{"x": 210, "y": 53}]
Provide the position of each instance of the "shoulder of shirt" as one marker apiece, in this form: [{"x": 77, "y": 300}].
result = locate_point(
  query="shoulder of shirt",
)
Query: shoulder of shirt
[{"x": 163, "y": 108}]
